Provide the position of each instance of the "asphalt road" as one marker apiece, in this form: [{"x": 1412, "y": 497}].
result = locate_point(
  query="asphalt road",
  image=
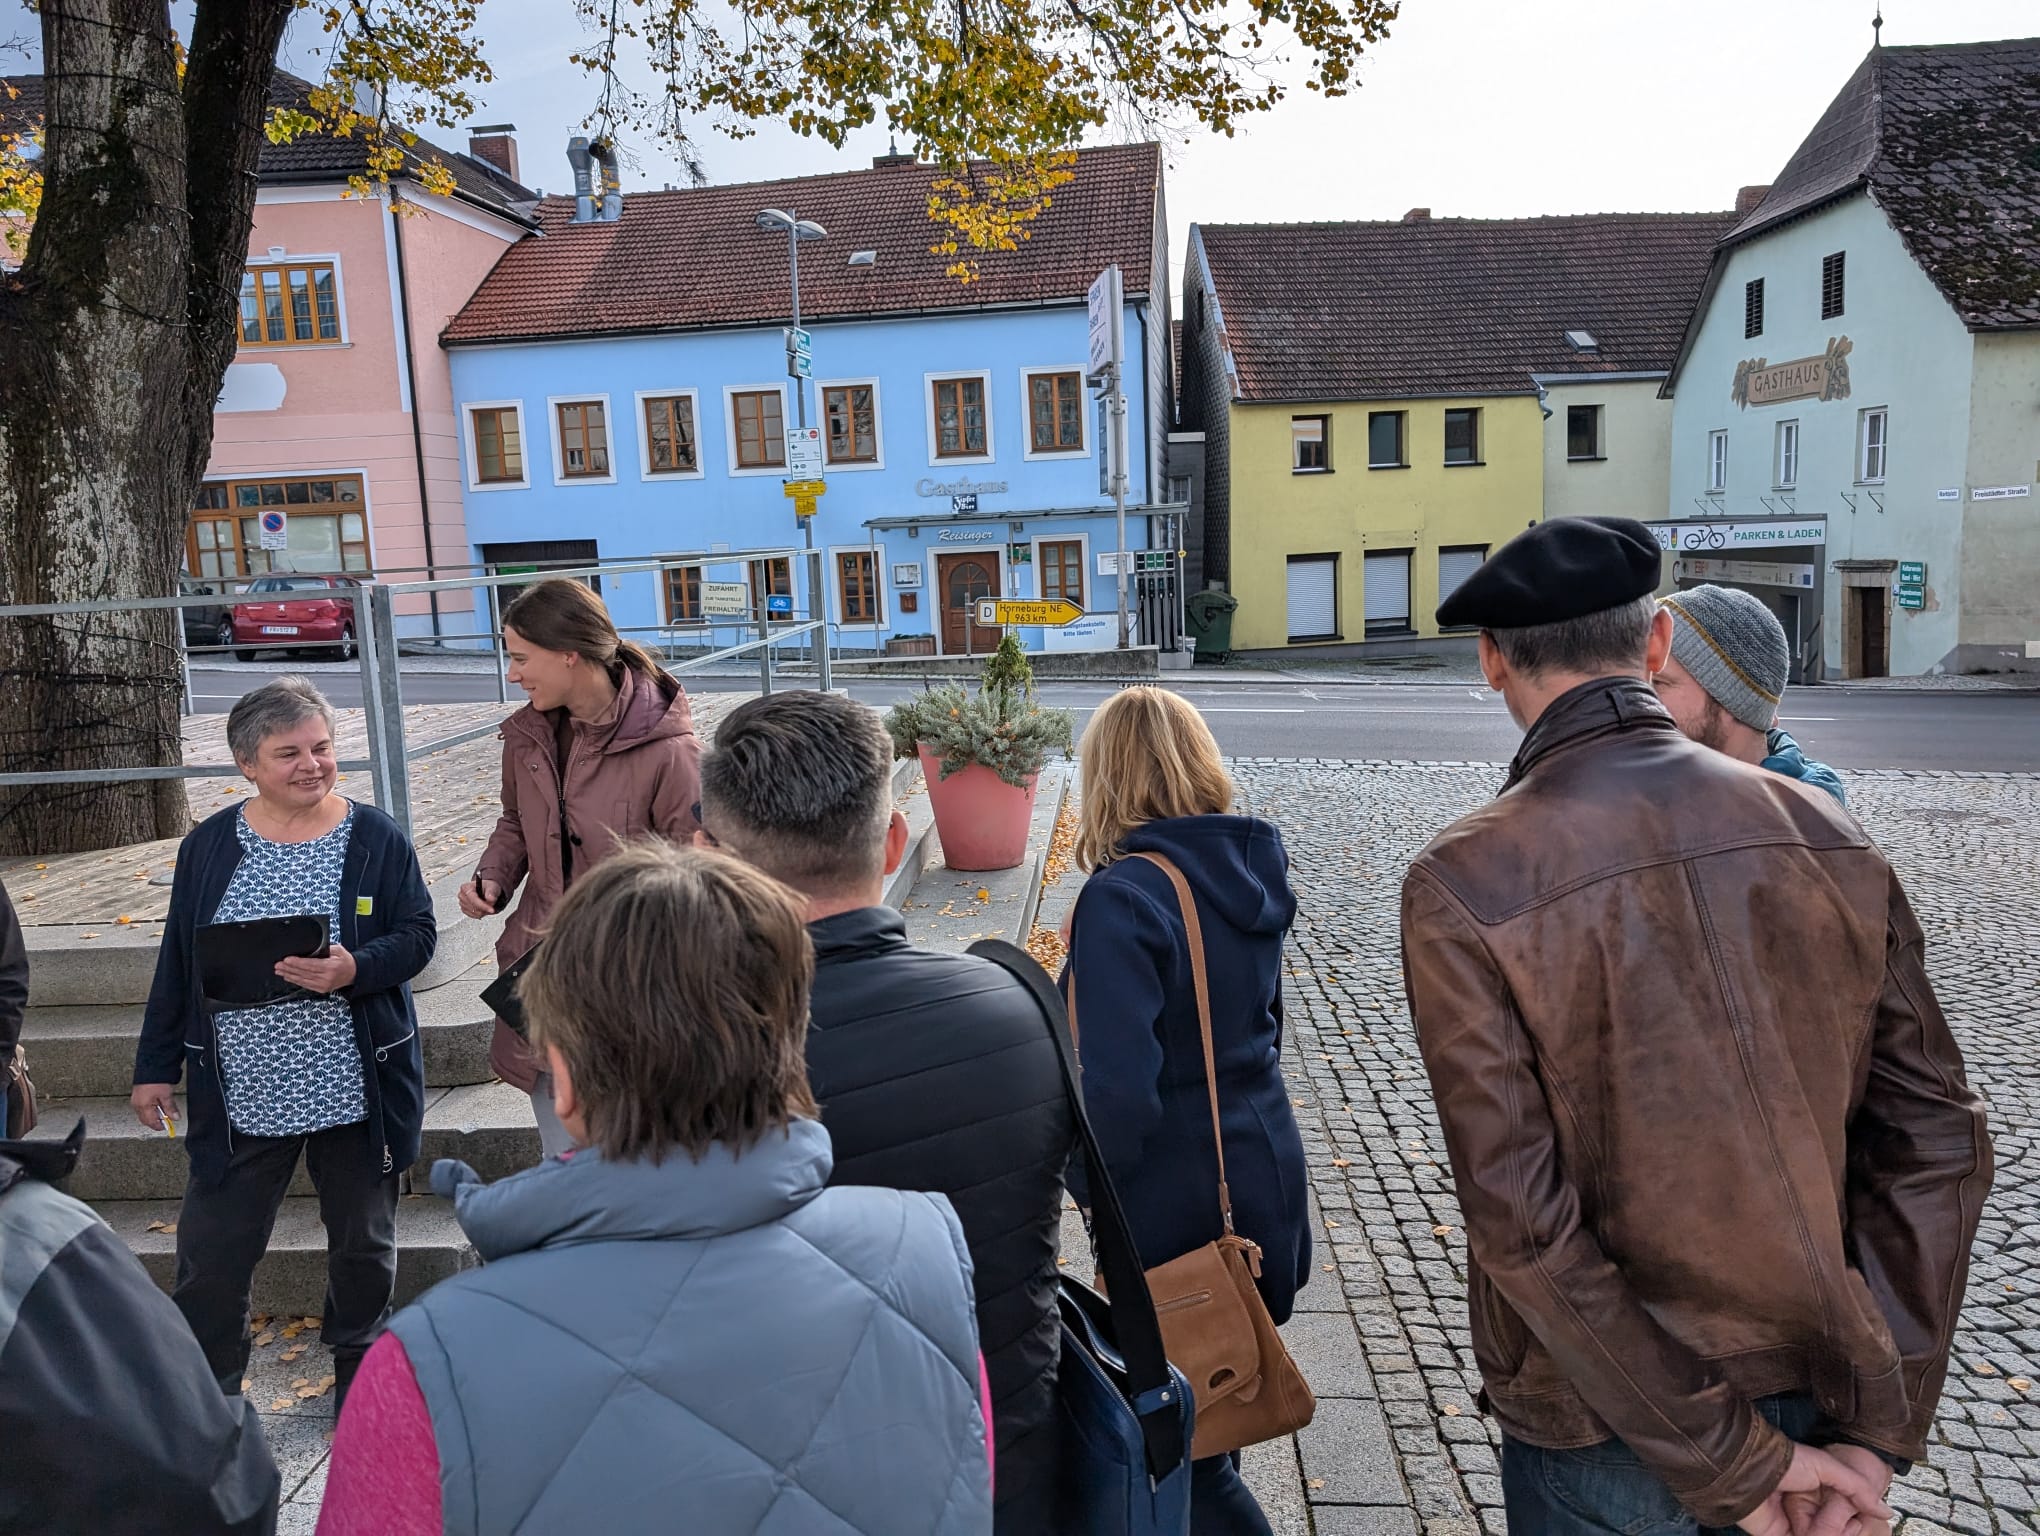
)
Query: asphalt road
[{"x": 1418, "y": 722}]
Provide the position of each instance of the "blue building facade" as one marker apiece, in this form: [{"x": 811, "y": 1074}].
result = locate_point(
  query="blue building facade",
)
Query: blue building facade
[{"x": 961, "y": 444}]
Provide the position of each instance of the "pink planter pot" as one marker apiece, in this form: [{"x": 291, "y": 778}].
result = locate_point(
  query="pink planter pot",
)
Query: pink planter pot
[{"x": 981, "y": 819}]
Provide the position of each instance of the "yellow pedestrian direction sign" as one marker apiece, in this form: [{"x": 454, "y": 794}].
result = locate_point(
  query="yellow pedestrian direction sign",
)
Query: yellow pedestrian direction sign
[
  {"x": 1005, "y": 612},
  {"x": 807, "y": 488}
]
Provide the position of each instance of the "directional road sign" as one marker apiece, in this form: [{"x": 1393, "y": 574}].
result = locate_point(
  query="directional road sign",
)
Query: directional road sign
[
  {"x": 725, "y": 599},
  {"x": 1001, "y": 611},
  {"x": 803, "y": 453},
  {"x": 800, "y": 488},
  {"x": 799, "y": 366},
  {"x": 803, "y": 506}
]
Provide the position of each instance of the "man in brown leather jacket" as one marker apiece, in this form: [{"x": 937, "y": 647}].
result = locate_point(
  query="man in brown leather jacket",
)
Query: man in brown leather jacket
[{"x": 1718, "y": 1162}]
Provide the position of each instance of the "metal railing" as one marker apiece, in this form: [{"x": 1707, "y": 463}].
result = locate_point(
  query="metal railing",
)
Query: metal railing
[{"x": 373, "y": 604}]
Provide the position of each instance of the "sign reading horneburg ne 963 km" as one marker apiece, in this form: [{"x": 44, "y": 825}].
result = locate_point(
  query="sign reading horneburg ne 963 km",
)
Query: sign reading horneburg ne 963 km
[{"x": 1007, "y": 611}]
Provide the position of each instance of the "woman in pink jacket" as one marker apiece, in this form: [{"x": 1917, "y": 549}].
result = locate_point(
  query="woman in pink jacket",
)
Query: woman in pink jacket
[{"x": 604, "y": 751}]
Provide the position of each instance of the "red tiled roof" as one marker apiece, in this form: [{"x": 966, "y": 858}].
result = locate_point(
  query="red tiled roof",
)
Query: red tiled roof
[
  {"x": 1947, "y": 140},
  {"x": 694, "y": 258},
  {"x": 1426, "y": 307}
]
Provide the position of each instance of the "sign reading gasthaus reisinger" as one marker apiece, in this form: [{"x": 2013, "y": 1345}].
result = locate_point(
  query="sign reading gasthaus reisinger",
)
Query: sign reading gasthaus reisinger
[{"x": 1761, "y": 382}]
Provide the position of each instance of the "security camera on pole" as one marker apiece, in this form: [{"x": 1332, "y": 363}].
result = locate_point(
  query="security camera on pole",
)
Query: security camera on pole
[{"x": 1106, "y": 369}]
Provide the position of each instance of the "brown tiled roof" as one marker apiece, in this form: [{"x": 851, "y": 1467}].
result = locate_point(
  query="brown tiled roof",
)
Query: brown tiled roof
[
  {"x": 316, "y": 156},
  {"x": 1425, "y": 307},
  {"x": 695, "y": 258},
  {"x": 1946, "y": 139}
]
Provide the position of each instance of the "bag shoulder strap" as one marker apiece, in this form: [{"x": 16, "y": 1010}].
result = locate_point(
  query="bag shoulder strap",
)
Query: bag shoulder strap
[
  {"x": 1194, "y": 932},
  {"x": 1139, "y": 1334}
]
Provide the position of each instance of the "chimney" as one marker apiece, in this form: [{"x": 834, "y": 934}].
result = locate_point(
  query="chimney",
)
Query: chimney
[
  {"x": 1747, "y": 198},
  {"x": 1416, "y": 216},
  {"x": 597, "y": 194},
  {"x": 892, "y": 155},
  {"x": 495, "y": 145}
]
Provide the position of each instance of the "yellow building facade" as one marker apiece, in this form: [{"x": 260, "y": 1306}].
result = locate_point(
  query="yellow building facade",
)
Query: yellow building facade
[{"x": 1313, "y": 512}]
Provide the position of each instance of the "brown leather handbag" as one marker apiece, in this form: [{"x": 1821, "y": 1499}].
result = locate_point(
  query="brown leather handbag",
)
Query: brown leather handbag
[
  {"x": 19, "y": 1093},
  {"x": 1214, "y": 1323}
]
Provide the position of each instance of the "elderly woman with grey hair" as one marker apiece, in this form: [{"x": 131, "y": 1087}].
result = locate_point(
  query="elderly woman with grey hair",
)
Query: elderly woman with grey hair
[{"x": 330, "y": 1071}]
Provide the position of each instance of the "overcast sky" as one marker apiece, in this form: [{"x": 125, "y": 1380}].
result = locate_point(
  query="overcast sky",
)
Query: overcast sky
[{"x": 1470, "y": 107}]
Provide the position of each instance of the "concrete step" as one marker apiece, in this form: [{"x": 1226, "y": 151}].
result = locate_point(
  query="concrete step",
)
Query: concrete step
[
  {"x": 87, "y": 1050},
  {"x": 911, "y": 795},
  {"x": 489, "y": 1126},
  {"x": 291, "y": 1279},
  {"x": 945, "y": 909},
  {"x": 101, "y": 964}
]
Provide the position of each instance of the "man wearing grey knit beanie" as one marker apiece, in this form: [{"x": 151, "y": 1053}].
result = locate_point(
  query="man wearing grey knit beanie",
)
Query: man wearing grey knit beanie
[{"x": 1726, "y": 677}]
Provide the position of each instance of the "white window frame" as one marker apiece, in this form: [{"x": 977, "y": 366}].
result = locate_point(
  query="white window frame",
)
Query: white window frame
[
  {"x": 666, "y": 592},
  {"x": 475, "y": 482},
  {"x": 1324, "y": 440},
  {"x": 880, "y": 574},
  {"x": 559, "y": 450},
  {"x": 295, "y": 259},
  {"x": 1027, "y": 378},
  {"x": 644, "y": 438},
  {"x": 1717, "y": 462},
  {"x": 729, "y": 401},
  {"x": 1784, "y": 475},
  {"x": 928, "y": 381},
  {"x": 1091, "y": 577},
  {"x": 1882, "y": 415},
  {"x": 852, "y": 467}
]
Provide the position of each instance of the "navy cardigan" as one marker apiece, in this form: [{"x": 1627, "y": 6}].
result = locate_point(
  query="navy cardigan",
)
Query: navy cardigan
[{"x": 386, "y": 923}]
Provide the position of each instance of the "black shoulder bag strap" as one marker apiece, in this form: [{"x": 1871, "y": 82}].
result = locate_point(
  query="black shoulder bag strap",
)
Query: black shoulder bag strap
[{"x": 1139, "y": 1335}]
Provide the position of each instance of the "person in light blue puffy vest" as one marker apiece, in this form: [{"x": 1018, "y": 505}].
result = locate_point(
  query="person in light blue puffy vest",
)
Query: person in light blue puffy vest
[
  {"x": 677, "y": 1326},
  {"x": 1726, "y": 678}
]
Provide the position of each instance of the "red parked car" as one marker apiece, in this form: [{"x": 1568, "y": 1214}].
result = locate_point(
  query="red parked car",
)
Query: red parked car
[{"x": 310, "y": 613}]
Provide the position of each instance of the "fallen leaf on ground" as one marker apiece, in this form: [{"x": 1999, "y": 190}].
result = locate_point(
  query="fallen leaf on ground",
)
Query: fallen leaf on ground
[
  {"x": 1985, "y": 1368},
  {"x": 157, "y": 1226},
  {"x": 1326, "y": 1268},
  {"x": 265, "y": 1338},
  {"x": 124, "y": 919},
  {"x": 87, "y": 935},
  {"x": 1342, "y": 1162},
  {"x": 2019, "y": 1384},
  {"x": 1452, "y": 1410},
  {"x": 291, "y": 1354},
  {"x": 305, "y": 1392},
  {"x": 281, "y": 1403},
  {"x": 1317, "y": 1482},
  {"x": 1440, "y": 1231},
  {"x": 246, "y": 1384}
]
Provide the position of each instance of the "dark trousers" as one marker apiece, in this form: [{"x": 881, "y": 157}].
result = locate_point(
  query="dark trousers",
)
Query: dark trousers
[
  {"x": 1221, "y": 1503},
  {"x": 1606, "y": 1489},
  {"x": 223, "y": 1231}
]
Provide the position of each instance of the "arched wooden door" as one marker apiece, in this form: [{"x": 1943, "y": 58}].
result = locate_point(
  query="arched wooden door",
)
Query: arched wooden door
[{"x": 964, "y": 580}]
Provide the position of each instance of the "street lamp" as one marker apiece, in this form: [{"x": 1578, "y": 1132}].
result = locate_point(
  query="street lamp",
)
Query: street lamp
[{"x": 797, "y": 229}]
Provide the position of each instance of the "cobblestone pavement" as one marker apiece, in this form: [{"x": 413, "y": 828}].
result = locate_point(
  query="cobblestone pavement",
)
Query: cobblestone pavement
[{"x": 1967, "y": 848}]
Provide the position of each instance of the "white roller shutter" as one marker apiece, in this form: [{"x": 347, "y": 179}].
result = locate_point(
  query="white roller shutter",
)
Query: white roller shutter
[
  {"x": 1387, "y": 592},
  {"x": 1313, "y": 599},
  {"x": 1454, "y": 566}
]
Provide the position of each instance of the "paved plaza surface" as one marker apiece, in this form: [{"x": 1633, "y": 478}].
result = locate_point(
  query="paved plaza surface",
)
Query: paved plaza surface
[{"x": 1398, "y": 1445}]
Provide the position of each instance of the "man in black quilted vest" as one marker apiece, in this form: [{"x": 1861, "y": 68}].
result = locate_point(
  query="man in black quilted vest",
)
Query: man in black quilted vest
[{"x": 933, "y": 1071}]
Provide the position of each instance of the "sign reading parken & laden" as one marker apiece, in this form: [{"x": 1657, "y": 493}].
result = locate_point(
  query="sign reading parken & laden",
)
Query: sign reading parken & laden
[
  {"x": 1761, "y": 382},
  {"x": 1702, "y": 538}
]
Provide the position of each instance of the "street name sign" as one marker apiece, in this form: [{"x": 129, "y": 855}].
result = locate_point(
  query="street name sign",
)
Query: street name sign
[
  {"x": 799, "y": 343},
  {"x": 1911, "y": 596},
  {"x": 1912, "y": 573},
  {"x": 725, "y": 600},
  {"x": 1006, "y": 611}
]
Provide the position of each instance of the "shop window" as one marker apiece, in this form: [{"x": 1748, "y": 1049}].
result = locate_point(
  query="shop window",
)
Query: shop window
[
  {"x": 851, "y": 412},
  {"x": 294, "y": 305},
  {"x": 959, "y": 418},
  {"x": 1833, "y": 284},
  {"x": 683, "y": 595},
  {"x": 584, "y": 440},
  {"x": 669, "y": 435},
  {"x": 857, "y": 587},
  {"x": 1055, "y": 412},
  {"x": 761, "y": 429},
  {"x": 499, "y": 444},
  {"x": 1062, "y": 570},
  {"x": 1788, "y": 455},
  {"x": 1753, "y": 308},
  {"x": 1870, "y": 440},
  {"x": 1387, "y": 439},
  {"x": 1462, "y": 437},
  {"x": 1717, "y": 462},
  {"x": 325, "y": 528},
  {"x": 1583, "y": 432},
  {"x": 1310, "y": 444}
]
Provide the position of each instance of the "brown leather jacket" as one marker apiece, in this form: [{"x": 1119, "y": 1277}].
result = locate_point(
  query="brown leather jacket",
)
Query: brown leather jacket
[
  {"x": 1711, "y": 1135},
  {"x": 634, "y": 771}
]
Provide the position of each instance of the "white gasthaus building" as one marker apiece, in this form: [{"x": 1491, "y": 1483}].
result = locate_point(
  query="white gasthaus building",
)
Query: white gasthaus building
[{"x": 1856, "y": 406}]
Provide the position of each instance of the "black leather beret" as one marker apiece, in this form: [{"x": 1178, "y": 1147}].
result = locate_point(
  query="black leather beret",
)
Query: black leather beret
[{"x": 1563, "y": 569}]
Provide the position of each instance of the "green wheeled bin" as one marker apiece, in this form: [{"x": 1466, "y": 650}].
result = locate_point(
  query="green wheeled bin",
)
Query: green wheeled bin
[{"x": 1210, "y": 617}]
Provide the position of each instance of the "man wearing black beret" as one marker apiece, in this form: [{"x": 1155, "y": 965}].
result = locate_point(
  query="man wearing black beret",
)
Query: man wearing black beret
[{"x": 1718, "y": 1162}]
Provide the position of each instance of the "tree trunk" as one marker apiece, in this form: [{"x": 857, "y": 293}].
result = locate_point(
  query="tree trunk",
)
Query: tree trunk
[{"x": 114, "y": 341}]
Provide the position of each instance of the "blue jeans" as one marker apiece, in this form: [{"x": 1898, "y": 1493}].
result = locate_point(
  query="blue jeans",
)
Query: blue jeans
[
  {"x": 1221, "y": 1503},
  {"x": 1605, "y": 1490}
]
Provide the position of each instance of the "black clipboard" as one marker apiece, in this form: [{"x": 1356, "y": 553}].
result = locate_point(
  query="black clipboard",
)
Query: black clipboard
[
  {"x": 501, "y": 994},
  {"x": 237, "y": 961}
]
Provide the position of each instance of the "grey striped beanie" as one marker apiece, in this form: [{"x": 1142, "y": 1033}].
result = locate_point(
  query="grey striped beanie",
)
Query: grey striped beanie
[{"x": 1735, "y": 648}]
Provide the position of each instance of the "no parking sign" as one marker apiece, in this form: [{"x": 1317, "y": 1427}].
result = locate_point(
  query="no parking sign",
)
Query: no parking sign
[{"x": 273, "y": 534}]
